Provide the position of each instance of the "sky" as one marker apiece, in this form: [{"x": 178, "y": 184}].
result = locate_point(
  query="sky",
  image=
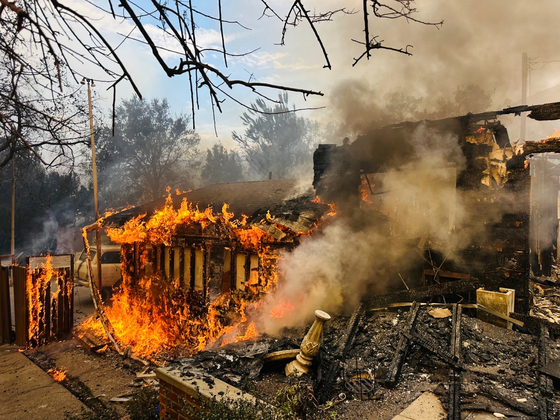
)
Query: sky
[{"x": 480, "y": 42}]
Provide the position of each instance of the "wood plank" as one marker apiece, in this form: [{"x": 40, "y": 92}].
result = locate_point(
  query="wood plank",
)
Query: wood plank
[
  {"x": 60, "y": 309},
  {"x": 5, "y": 307},
  {"x": 20, "y": 306},
  {"x": 402, "y": 347},
  {"x": 70, "y": 287},
  {"x": 46, "y": 315}
]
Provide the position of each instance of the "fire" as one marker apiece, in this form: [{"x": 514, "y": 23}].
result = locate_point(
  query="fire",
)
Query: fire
[
  {"x": 232, "y": 336},
  {"x": 332, "y": 206},
  {"x": 480, "y": 130},
  {"x": 250, "y": 333},
  {"x": 57, "y": 374},
  {"x": 280, "y": 310},
  {"x": 253, "y": 237},
  {"x": 158, "y": 314},
  {"x": 34, "y": 289},
  {"x": 554, "y": 135},
  {"x": 157, "y": 317}
]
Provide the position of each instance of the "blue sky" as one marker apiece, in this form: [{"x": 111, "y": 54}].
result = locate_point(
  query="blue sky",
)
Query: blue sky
[{"x": 480, "y": 42}]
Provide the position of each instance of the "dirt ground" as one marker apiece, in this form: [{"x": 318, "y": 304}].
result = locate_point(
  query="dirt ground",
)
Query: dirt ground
[
  {"x": 94, "y": 378},
  {"x": 493, "y": 358}
]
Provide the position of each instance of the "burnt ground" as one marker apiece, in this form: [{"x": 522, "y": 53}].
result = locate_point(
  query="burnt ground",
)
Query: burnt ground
[
  {"x": 95, "y": 378},
  {"x": 499, "y": 368}
]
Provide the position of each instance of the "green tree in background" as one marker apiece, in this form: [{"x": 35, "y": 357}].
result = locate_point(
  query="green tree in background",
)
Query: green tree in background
[
  {"x": 152, "y": 149},
  {"x": 46, "y": 200},
  {"x": 221, "y": 165},
  {"x": 276, "y": 139}
]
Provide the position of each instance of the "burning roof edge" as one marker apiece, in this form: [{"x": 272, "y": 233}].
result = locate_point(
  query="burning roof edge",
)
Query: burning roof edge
[{"x": 252, "y": 198}]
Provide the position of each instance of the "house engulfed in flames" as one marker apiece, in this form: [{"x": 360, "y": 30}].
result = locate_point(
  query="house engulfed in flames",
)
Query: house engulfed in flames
[
  {"x": 192, "y": 277},
  {"x": 497, "y": 202},
  {"x": 189, "y": 275}
]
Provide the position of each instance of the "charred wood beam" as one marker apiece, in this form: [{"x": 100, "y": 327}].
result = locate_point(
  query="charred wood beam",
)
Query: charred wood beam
[
  {"x": 402, "y": 348},
  {"x": 344, "y": 344},
  {"x": 422, "y": 293},
  {"x": 347, "y": 338},
  {"x": 544, "y": 382},
  {"x": 454, "y": 409},
  {"x": 550, "y": 145},
  {"x": 434, "y": 347},
  {"x": 501, "y": 395}
]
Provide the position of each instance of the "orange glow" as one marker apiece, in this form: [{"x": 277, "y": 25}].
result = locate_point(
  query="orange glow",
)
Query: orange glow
[
  {"x": 481, "y": 130},
  {"x": 365, "y": 191},
  {"x": 250, "y": 333},
  {"x": 57, "y": 374},
  {"x": 35, "y": 287},
  {"x": 253, "y": 237},
  {"x": 280, "y": 310},
  {"x": 332, "y": 206},
  {"x": 232, "y": 335},
  {"x": 554, "y": 135},
  {"x": 158, "y": 314}
]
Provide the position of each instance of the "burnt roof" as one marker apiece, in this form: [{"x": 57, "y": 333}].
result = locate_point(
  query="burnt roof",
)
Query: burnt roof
[{"x": 242, "y": 197}]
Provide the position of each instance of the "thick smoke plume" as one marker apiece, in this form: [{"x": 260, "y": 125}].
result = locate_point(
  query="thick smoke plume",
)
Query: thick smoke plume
[{"x": 376, "y": 246}]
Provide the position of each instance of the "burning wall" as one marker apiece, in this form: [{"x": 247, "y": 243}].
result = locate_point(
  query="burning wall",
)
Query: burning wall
[
  {"x": 439, "y": 200},
  {"x": 417, "y": 204},
  {"x": 190, "y": 277}
]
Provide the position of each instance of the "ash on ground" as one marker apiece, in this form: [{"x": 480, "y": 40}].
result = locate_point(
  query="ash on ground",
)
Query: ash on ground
[{"x": 501, "y": 370}]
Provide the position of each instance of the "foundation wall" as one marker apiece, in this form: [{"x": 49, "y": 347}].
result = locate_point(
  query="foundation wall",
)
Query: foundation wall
[{"x": 180, "y": 389}]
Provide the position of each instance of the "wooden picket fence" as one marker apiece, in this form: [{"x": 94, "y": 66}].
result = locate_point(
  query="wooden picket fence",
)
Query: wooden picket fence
[{"x": 40, "y": 301}]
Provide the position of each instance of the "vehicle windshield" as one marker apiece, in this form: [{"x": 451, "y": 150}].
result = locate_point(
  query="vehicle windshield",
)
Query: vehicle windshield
[{"x": 111, "y": 257}]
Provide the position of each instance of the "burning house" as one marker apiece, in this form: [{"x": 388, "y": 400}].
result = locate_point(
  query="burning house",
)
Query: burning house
[
  {"x": 189, "y": 275},
  {"x": 442, "y": 208},
  {"x": 477, "y": 210},
  {"x": 431, "y": 212}
]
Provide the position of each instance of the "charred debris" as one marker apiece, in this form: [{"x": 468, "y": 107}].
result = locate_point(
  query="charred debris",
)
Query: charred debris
[{"x": 419, "y": 331}]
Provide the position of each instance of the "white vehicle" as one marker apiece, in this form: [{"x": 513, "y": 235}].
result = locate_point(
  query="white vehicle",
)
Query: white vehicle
[{"x": 110, "y": 266}]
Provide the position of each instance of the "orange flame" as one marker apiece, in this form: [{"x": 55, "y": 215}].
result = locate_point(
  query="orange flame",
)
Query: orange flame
[
  {"x": 57, "y": 374},
  {"x": 34, "y": 289},
  {"x": 280, "y": 310},
  {"x": 231, "y": 337},
  {"x": 332, "y": 206},
  {"x": 250, "y": 333},
  {"x": 554, "y": 135},
  {"x": 151, "y": 315},
  {"x": 157, "y": 316}
]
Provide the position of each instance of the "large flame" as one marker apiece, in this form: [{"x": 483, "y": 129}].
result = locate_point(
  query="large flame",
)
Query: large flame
[
  {"x": 157, "y": 317},
  {"x": 35, "y": 286}
]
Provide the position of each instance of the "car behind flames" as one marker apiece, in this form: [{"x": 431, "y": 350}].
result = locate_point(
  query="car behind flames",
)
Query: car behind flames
[{"x": 110, "y": 266}]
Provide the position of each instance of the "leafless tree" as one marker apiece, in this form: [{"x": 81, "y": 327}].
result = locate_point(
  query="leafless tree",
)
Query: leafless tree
[{"x": 47, "y": 38}]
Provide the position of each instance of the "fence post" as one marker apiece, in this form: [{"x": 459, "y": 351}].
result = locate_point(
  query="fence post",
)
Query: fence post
[
  {"x": 5, "y": 309},
  {"x": 70, "y": 281},
  {"x": 20, "y": 305}
]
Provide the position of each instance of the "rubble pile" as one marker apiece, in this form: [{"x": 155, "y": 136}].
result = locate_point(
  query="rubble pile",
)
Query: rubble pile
[{"x": 497, "y": 370}]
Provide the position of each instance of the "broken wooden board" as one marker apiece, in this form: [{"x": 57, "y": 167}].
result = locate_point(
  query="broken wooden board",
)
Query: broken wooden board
[
  {"x": 422, "y": 293},
  {"x": 426, "y": 407},
  {"x": 89, "y": 341}
]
